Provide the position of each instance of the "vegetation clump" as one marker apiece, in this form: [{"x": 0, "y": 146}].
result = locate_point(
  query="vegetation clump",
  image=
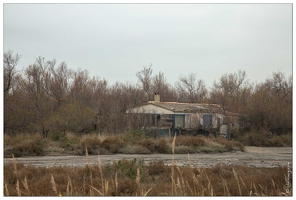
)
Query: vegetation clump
[
  {"x": 126, "y": 143},
  {"x": 135, "y": 178},
  {"x": 264, "y": 139}
]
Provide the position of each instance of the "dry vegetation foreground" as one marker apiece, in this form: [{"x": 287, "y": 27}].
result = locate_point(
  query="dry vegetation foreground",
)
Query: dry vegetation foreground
[
  {"x": 70, "y": 149},
  {"x": 133, "y": 142},
  {"x": 135, "y": 178},
  {"x": 161, "y": 174}
]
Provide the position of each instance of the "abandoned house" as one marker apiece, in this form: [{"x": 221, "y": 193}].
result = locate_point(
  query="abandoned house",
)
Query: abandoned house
[{"x": 172, "y": 118}]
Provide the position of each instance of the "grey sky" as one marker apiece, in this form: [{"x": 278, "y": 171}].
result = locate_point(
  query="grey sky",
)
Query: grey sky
[{"x": 114, "y": 41}]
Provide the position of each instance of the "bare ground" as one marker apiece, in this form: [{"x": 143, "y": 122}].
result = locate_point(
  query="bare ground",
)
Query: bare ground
[{"x": 252, "y": 157}]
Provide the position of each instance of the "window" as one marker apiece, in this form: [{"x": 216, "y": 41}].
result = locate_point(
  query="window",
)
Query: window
[
  {"x": 207, "y": 121},
  {"x": 179, "y": 121}
]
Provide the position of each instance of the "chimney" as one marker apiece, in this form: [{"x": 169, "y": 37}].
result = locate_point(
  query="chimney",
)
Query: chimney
[{"x": 156, "y": 97}]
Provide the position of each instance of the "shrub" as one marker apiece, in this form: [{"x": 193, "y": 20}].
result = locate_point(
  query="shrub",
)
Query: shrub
[
  {"x": 127, "y": 168},
  {"x": 252, "y": 140},
  {"x": 132, "y": 137},
  {"x": 113, "y": 144},
  {"x": 7, "y": 140},
  {"x": 230, "y": 144},
  {"x": 11, "y": 140},
  {"x": 224, "y": 142},
  {"x": 181, "y": 140},
  {"x": 236, "y": 134},
  {"x": 136, "y": 149},
  {"x": 68, "y": 144},
  {"x": 238, "y": 145},
  {"x": 127, "y": 187},
  {"x": 92, "y": 144},
  {"x": 257, "y": 139},
  {"x": 196, "y": 141},
  {"x": 277, "y": 142},
  {"x": 156, "y": 167},
  {"x": 29, "y": 147},
  {"x": 265, "y": 139},
  {"x": 211, "y": 146},
  {"x": 55, "y": 136},
  {"x": 184, "y": 149},
  {"x": 287, "y": 139},
  {"x": 162, "y": 146},
  {"x": 188, "y": 144},
  {"x": 148, "y": 144}
]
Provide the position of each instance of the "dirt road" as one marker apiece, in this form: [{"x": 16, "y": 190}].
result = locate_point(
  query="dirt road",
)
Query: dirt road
[{"x": 253, "y": 157}]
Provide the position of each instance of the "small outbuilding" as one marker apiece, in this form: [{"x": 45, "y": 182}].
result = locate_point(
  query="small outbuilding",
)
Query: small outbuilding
[{"x": 170, "y": 118}]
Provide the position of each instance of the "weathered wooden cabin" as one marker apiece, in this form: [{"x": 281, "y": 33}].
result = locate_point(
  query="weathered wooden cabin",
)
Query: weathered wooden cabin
[{"x": 170, "y": 118}]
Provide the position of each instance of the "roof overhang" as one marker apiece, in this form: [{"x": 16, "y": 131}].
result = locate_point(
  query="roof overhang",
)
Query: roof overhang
[
  {"x": 174, "y": 108},
  {"x": 149, "y": 109}
]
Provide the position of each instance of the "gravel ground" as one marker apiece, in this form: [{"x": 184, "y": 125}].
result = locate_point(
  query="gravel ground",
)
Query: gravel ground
[{"x": 252, "y": 157}]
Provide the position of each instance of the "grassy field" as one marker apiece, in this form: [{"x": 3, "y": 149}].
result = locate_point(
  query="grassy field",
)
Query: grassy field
[
  {"x": 126, "y": 143},
  {"x": 134, "y": 178}
]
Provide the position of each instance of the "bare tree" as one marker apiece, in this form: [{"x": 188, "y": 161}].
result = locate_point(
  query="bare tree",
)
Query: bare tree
[
  {"x": 78, "y": 91},
  {"x": 270, "y": 107},
  {"x": 229, "y": 92},
  {"x": 279, "y": 85},
  {"x": 57, "y": 82},
  {"x": 36, "y": 91},
  {"x": 144, "y": 77},
  {"x": 9, "y": 62},
  {"x": 160, "y": 85},
  {"x": 45, "y": 96},
  {"x": 190, "y": 89}
]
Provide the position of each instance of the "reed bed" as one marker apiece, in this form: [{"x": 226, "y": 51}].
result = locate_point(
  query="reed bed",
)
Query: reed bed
[{"x": 134, "y": 178}]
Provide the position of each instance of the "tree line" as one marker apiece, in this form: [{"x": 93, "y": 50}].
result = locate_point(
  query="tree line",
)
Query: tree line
[{"x": 50, "y": 97}]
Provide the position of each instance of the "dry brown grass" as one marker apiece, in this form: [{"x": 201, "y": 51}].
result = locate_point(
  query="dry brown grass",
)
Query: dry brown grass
[
  {"x": 230, "y": 145},
  {"x": 92, "y": 144},
  {"x": 194, "y": 141},
  {"x": 133, "y": 178},
  {"x": 24, "y": 145},
  {"x": 265, "y": 139},
  {"x": 149, "y": 144},
  {"x": 127, "y": 143}
]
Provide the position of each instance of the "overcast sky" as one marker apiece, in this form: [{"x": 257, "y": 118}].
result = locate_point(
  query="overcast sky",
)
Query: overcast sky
[{"x": 114, "y": 41}]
